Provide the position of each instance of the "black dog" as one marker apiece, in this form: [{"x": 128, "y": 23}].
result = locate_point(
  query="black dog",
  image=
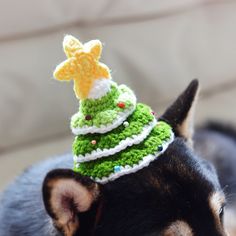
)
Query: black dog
[{"x": 177, "y": 194}]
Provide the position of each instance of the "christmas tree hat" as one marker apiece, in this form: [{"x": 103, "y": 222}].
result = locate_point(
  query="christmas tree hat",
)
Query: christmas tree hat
[{"x": 115, "y": 135}]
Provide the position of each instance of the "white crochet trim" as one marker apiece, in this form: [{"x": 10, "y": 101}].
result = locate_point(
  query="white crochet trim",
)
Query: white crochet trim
[
  {"x": 122, "y": 116},
  {"x": 129, "y": 141},
  {"x": 132, "y": 169},
  {"x": 100, "y": 88}
]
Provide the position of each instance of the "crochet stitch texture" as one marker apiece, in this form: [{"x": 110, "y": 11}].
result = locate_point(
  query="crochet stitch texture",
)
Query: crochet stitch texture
[{"x": 114, "y": 135}]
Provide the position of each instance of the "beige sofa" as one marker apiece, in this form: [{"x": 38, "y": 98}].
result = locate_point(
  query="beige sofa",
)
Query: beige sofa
[{"x": 156, "y": 47}]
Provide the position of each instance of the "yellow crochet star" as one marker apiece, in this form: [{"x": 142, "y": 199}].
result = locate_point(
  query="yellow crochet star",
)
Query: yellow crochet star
[{"x": 82, "y": 65}]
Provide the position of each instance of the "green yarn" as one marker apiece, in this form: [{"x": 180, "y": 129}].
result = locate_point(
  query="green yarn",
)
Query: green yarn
[
  {"x": 103, "y": 167},
  {"x": 103, "y": 110},
  {"x": 93, "y": 106},
  {"x": 141, "y": 116}
]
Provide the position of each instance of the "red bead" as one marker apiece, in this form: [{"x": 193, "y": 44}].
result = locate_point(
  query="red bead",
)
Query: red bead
[
  {"x": 153, "y": 113},
  {"x": 121, "y": 104},
  {"x": 88, "y": 117}
]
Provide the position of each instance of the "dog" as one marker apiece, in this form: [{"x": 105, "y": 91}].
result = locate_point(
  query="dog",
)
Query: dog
[{"x": 178, "y": 194}]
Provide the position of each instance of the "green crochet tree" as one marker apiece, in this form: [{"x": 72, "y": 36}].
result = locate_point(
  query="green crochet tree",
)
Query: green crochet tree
[{"x": 114, "y": 135}]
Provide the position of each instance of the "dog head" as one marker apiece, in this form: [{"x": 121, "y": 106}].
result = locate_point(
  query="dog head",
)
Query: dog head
[{"x": 177, "y": 194}]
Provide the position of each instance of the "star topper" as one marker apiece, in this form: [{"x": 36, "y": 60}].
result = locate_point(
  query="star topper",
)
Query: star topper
[{"x": 82, "y": 65}]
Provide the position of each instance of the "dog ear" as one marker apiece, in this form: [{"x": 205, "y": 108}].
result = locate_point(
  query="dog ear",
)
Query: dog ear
[
  {"x": 180, "y": 114},
  {"x": 70, "y": 200}
]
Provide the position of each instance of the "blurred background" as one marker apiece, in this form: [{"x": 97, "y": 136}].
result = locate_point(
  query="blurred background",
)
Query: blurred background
[{"x": 155, "y": 47}]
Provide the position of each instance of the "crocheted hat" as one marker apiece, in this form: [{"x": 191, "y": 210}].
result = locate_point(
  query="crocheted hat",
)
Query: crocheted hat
[{"x": 114, "y": 134}]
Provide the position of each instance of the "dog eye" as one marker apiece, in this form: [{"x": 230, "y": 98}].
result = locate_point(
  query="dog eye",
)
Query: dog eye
[{"x": 221, "y": 212}]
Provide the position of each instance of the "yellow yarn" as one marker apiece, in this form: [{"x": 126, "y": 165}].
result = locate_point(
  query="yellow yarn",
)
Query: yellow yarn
[{"x": 82, "y": 65}]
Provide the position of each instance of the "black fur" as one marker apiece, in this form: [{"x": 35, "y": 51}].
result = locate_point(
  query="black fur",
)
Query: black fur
[
  {"x": 173, "y": 186},
  {"x": 178, "y": 111},
  {"x": 221, "y": 128},
  {"x": 216, "y": 143}
]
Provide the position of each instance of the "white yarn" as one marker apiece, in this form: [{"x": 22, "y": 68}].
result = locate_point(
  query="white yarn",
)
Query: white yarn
[
  {"x": 130, "y": 141},
  {"x": 100, "y": 88},
  {"x": 132, "y": 169}
]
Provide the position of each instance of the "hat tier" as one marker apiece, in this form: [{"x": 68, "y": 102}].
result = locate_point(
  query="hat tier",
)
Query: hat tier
[{"x": 105, "y": 113}]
